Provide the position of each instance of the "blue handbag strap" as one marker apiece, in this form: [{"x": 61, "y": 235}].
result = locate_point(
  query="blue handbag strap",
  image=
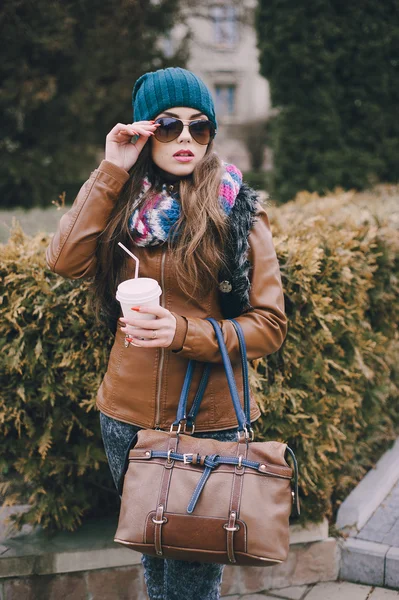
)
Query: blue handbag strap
[
  {"x": 192, "y": 415},
  {"x": 205, "y": 376},
  {"x": 244, "y": 364},
  {"x": 243, "y": 417},
  {"x": 181, "y": 414}
]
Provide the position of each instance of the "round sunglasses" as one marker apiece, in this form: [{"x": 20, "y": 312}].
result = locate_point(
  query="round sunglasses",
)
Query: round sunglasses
[{"x": 201, "y": 131}]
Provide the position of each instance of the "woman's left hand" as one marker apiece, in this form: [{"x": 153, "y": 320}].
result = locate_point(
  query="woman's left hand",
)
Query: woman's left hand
[{"x": 164, "y": 326}]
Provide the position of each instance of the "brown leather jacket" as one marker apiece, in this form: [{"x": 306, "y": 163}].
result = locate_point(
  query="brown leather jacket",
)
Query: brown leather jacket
[{"x": 142, "y": 385}]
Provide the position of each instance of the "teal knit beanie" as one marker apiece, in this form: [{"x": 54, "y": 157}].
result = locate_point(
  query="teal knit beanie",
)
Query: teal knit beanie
[{"x": 159, "y": 90}]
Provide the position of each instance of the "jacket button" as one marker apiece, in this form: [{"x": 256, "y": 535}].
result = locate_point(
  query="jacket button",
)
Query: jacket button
[{"x": 225, "y": 287}]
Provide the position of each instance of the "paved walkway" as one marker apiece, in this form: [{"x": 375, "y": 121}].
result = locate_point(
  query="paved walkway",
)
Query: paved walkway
[
  {"x": 371, "y": 555},
  {"x": 383, "y": 526},
  {"x": 332, "y": 590}
]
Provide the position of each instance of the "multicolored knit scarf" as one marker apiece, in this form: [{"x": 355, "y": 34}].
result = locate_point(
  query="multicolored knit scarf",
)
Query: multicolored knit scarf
[{"x": 152, "y": 224}]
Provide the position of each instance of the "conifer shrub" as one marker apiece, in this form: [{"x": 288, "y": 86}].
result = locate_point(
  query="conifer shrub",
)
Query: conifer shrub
[
  {"x": 52, "y": 361},
  {"x": 333, "y": 72},
  {"x": 67, "y": 72},
  {"x": 331, "y": 391},
  {"x": 257, "y": 179}
]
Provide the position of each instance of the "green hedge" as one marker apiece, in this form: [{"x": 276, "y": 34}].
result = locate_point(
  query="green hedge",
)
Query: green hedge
[
  {"x": 62, "y": 92},
  {"x": 259, "y": 180},
  {"x": 52, "y": 361},
  {"x": 334, "y": 76},
  {"x": 331, "y": 391}
]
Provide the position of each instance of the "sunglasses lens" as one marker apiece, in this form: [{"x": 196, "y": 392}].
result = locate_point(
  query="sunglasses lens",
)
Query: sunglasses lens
[
  {"x": 169, "y": 130},
  {"x": 202, "y": 131}
]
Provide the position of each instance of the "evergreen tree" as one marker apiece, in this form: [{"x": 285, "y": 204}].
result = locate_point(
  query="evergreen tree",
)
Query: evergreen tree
[
  {"x": 67, "y": 73},
  {"x": 333, "y": 69}
]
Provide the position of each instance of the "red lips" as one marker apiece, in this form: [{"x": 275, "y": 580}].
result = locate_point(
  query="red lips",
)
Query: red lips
[{"x": 183, "y": 153}]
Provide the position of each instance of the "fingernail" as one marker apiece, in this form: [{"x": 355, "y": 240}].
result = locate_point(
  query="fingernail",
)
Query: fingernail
[
  {"x": 129, "y": 339},
  {"x": 136, "y": 308}
]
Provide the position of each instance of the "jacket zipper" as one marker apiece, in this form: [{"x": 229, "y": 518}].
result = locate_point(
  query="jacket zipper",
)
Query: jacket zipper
[{"x": 162, "y": 358}]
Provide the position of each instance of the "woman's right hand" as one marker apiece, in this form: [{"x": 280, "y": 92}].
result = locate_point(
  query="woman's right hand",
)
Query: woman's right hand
[{"x": 118, "y": 146}]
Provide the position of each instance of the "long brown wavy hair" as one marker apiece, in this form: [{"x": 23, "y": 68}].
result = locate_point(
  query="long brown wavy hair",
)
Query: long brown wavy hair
[{"x": 198, "y": 249}]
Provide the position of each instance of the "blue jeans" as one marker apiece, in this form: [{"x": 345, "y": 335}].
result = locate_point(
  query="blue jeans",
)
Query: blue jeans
[{"x": 166, "y": 579}]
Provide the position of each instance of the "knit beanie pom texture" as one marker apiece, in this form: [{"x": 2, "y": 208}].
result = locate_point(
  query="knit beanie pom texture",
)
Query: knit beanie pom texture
[{"x": 157, "y": 91}]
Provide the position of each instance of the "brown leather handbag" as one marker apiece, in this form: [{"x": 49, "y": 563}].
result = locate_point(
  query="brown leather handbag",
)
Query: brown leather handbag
[{"x": 204, "y": 500}]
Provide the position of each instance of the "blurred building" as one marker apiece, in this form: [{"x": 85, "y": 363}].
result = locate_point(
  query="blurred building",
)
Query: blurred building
[{"x": 223, "y": 52}]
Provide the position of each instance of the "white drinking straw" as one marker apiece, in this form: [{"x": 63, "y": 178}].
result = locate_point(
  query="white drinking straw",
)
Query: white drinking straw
[{"x": 136, "y": 273}]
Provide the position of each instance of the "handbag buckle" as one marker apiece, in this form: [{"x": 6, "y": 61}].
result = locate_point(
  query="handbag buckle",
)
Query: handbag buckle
[
  {"x": 188, "y": 458},
  {"x": 185, "y": 430},
  {"x": 177, "y": 430},
  {"x": 160, "y": 522},
  {"x": 227, "y": 528},
  {"x": 246, "y": 434}
]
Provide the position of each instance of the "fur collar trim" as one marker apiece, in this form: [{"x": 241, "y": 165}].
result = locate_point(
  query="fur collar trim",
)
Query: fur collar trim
[{"x": 234, "y": 283}]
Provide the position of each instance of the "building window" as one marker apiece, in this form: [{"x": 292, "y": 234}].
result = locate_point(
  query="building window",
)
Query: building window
[
  {"x": 224, "y": 25},
  {"x": 225, "y": 99}
]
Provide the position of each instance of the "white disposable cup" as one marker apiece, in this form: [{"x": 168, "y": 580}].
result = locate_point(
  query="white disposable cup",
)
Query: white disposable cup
[{"x": 141, "y": 291}]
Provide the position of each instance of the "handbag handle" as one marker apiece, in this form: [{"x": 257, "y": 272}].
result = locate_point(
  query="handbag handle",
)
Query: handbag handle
[
  {"x": 243, "y": 417},
  {"x": 205, "y": 376},
  {"x": 244, "y": 364},
  {"x": 192, "y": 415}
]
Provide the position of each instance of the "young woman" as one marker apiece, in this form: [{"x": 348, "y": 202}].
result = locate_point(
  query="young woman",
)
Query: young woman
[{"x": 201, "y": 233}]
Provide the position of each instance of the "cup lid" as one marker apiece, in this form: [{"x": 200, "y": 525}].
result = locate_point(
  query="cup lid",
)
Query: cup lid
[{"x": 141, "y": 289}]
